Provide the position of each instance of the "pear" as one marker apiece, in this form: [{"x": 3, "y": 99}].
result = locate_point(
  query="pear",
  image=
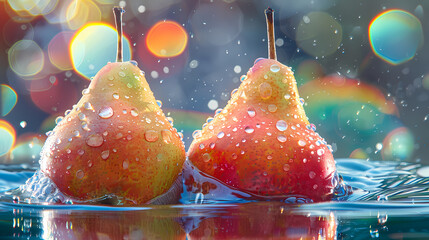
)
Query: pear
[
  {"x": 262, "y": 141},
  {"x": 115, "y": 141}
]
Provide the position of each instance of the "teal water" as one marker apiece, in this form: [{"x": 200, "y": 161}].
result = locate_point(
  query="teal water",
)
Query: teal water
[{"x": 389, "y": 201}]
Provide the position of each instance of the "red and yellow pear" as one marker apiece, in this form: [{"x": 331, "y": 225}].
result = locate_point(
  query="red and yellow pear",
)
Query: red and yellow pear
[
  {"x": 116, "y": 139},
  {"x": 262, "y": 141}
]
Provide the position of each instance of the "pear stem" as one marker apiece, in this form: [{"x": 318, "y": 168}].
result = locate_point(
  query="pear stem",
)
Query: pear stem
[
  {"x": 117, "y": 11},
  {"x": 269, "y": 16}
]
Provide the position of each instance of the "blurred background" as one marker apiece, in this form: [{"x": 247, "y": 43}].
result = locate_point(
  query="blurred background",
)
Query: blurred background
[{"x": 361, "y": 66}]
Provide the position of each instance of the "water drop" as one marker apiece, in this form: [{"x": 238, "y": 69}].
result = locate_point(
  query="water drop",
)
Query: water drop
[
  {"x": 249, "y": 129},
  {"x": 265, "y": 90},
  {"x": 105, "y": 154},
  {"x": 243, "y": 78},
  {"x": 212, "y": 145},
  {"x": 274, "y": 68},
  {"x": 304, "y": 160},
  {"x": 159, "y": 103},
  {"x": 257, "y": 60},
  {"x": 286, "y": 167},
  {"x": 94, "y": 140},
  {"x": 272, "y": 108},
  {"x": 287, "y": 96},
  {"x": 133, "y": 62},
  {"x": 81, "y": 116},
  {"x": 301, "y": 100},
  {"x": 116, "y": 96},
  {"x": 202, "y": 146},
  {"x": 134, "y": 112},
  {"x": 88, "y": 106},
  {"x": 57, "y": 120},
  {"x": 166, "y": 136},
  {"x": 80, "y": 174},
  {"x": 206, "y": 157},
  {"x": 320, "y": 152},
  {"x": 234, "y": 92},
  {"x": 251, "y": 112},
  {"x": 125, "y": 164},
  {"x": 281, "y": 125},
  {"x": 58, "y": 141},
  {"x": 281, "y": 138},
  {"x": 80, "y": 152},
  {"x": 151, "y": 135},
  {"x": 110, "y": 78},
  {"x": 220, "y": 135},
  {"x": 85, "y": 91},
  {"x": 302, "y": 143},
  {"x": 196, "y": 134},
  {"x": 121, "y": 74},
  {"x": 312, "y": 174},
  {"x": 105, "y": 112}
]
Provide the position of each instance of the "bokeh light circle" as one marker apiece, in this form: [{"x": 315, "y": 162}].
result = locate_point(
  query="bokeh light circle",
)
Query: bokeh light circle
[
  {"x": 395, "y": 36},
  {"x": 398, "y": 145},
  {"x": 166, "y": 39},
  {"x": 80, "y": 12},
  {"x": 93, "y": 46},
  {"x": 319, "y": 34},
  {"x": 58, "y": 50},
  {"x": 8, "y": 99},
  {"x": 26, "y": 58},
  {"x": 7, "y": 137}
]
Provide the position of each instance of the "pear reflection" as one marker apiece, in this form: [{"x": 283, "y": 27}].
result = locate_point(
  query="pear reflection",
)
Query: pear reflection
[
  {"x": 260, "y": 221},
  {"x": 150, "y": 224}
]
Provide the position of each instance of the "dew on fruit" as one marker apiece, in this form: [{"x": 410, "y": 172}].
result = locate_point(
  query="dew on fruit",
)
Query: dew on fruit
[
  {"x": 320, "y": 152},
  {"x": 272, "y": 108},
  {"x": 58, "y": 120},
  {"x": 121, "y": 74},
  {"x": 251, "y": 112},
  {"x": 115, "y": 96},
  {"x": 105, "y": 112},
  {"x": 81, "y": 116},
  {"x": 274, "y": 68},
  {"x": 125, "y": 164},
  {"x": 134, "y": 112},
  {"x": 166, "y": 136},
  {"x": 159, "y": 103},
  {"x": 281, "y": 138},
  {"x": 80, "y": 174},
  {"x": 301, "y": 143},
  {"x": 281, "y": 125},
  {"x": 85, "y": 91},
  {"x": 265, "y": 90},
  {"x": 287, "y": 96},
  {"x": 151, "y": 135},
  {"x": 312, "y": 174},
  {"x": 286, "y": 167},
  {"x": 105, "y": 154},
  {"x": 206, "y": 157},
  {"x": 88, "y": 106},
  {"x": 248, "y": 129},
  {"x": 196, "y": 134},
  {"x": 94, "y": 140},
  {"x": 220, "y": 135}
]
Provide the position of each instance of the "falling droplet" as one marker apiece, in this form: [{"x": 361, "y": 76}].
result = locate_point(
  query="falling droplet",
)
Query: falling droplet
[
  {"x": 281, "y": 125},
  {"x": 274, "y": 68},
  {"x": 23, "y": 124},
  {"x": 281, "y": 138},
  {"x": 220, "y": 135},
  {"x": 80, "y": 174},
  {"x": 116, "y": 96},
  {"x": 94, "y": 140},
  {"x": 105, "y": 112},
  {"x": 206, "y": 157},
  {"x": 312, "y": 174},
  {"x": 272, "y": 108},
  {"x": 105, "y": 154},
  {"x": 249, "y": 129},
  {"x": 251, "y": 112},
  {"x": 134, "y": 112},
  {"x": 121, "y": 74},
  {"x": 151, "y": 135},
  {"x": 265, "y": 90}
]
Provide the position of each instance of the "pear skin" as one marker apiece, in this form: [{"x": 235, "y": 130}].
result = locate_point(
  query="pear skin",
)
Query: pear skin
[
  {"x": 262, "y": 141},
  {"x": 116, "y": 140}
]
